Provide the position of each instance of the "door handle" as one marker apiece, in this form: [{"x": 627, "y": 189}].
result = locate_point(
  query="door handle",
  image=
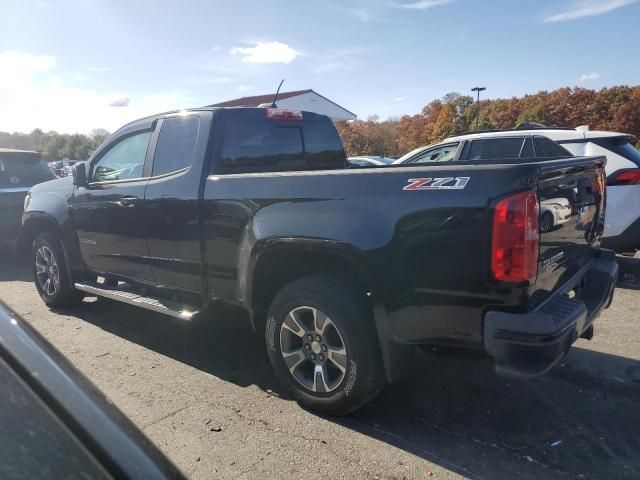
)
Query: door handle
[{"x": 127, "y": 201}]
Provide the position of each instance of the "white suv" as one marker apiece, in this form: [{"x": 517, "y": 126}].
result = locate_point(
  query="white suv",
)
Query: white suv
[{"x": 622, "y": 231}]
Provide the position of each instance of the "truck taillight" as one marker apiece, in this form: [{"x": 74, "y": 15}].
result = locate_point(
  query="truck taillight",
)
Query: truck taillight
[
  {"x": 515, "y": 236},
  {"x": 282, "y": 114},
  {"x": 630, "y": 176}
]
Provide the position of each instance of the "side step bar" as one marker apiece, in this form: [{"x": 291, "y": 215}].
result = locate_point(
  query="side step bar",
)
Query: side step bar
[{"x": 126, "y": 294}]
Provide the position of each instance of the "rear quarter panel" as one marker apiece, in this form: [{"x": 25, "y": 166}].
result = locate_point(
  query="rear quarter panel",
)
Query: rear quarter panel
[{"x": 425, "y": 250}]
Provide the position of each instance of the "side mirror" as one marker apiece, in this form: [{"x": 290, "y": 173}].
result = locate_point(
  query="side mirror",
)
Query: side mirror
[{"x": 79, "y": 171}]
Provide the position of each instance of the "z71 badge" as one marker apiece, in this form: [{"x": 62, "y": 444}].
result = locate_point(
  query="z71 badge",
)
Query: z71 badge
[{"x": 443, "y": 183}]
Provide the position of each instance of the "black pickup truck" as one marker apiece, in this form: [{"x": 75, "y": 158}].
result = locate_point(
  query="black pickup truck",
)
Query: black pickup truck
[{"x": 343, "y": 270}]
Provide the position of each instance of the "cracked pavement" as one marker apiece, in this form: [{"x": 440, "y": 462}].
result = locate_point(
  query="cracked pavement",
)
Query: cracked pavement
[{"x": 205, "y": 394}]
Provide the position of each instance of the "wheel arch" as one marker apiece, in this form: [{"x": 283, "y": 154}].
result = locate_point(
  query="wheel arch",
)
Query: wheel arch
[
  {"x": 277, "y": 262},
  {"x": 32, "y": 226},
  {"x": 36, "y": 223}
]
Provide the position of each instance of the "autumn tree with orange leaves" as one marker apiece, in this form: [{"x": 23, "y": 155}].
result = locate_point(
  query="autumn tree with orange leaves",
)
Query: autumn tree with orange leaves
[{"x": 615, "y": 108}]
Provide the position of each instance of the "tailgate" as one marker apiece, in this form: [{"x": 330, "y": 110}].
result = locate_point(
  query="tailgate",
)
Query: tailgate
[{"x": 572, "y": 207}]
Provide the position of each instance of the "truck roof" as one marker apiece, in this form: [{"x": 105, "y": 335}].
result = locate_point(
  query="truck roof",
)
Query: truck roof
[{"x": 194, "y": 109}]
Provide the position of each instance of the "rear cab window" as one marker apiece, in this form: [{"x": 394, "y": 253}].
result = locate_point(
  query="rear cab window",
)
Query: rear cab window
[{"x": 254, "y": 143}]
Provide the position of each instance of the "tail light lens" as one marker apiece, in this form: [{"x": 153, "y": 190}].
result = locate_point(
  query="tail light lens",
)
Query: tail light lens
[
  {"x": 629, "y": 176},
  {"x": 515, "y": 237}
]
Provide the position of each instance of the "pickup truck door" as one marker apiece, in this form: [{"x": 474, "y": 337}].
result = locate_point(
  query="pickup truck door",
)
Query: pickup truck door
[
  {"x": 172, "y": 206},
  {"x": 109, "y": 212}
]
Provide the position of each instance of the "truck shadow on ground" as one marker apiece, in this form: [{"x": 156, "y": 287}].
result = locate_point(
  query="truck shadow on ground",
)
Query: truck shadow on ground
[
  {"x": 13, "y": 267},
  {"x": 581, "y": 420}
]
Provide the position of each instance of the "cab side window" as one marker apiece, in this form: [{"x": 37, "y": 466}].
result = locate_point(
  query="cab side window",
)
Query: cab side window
[
  {"x": 444, "y": 153},
  {"x": 176, "y": 145},
  {"x": 123, "y": 161}
]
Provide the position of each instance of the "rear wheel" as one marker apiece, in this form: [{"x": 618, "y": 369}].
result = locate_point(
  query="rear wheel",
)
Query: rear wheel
[
  {"x": 50, "y": 272},
  {"x": 323, "y": 346}
]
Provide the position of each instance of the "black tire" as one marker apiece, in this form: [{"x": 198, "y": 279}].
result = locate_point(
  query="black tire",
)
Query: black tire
[
  {"x": 62, "y": 294},
  {"x": 546, "y": 222},
  {"x": 350, "y": 317}
]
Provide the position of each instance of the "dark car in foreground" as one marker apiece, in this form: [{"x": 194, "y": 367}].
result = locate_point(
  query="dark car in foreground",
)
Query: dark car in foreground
[
  {"x": 343, "y": 270},
  {"x": 54, "y": 424},
  {"x": 19, "y": 171}
]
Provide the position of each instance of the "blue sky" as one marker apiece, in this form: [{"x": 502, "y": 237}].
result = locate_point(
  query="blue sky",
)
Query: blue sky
[{"x": 74, "y": 65}]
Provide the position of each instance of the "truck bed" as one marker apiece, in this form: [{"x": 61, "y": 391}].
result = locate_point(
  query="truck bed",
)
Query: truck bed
[{"x": 425, "y": 244}]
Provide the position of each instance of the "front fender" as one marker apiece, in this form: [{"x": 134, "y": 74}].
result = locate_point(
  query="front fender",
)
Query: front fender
[{"x": 48, "y": 209}]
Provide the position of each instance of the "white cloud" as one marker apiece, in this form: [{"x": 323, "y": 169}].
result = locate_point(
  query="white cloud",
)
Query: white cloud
[
  {"x": 34, "y": 94},
  {"x": 244, "y": 88},
  {"x": 422, "y": 4},
  {"x": 587, "y": 8},
  {"x": 266, "y": 52},
  {"x": 587, "y": 77},
  {"x": 399, "y": 99},
  {"x": 16, "y": 64},
  {"x": 119, "y": 101}
]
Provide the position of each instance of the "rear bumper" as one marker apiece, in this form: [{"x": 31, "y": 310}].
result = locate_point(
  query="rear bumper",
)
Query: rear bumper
[{"x": 530, "y": 344}]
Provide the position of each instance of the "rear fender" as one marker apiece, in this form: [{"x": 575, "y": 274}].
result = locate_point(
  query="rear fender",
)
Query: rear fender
[
  {"x": 396, "y": 357},
  {"x": 249, "y": 259}
]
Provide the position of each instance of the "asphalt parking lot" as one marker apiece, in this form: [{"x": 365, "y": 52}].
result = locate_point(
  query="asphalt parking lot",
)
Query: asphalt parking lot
[{"x": 205, "y": 394}]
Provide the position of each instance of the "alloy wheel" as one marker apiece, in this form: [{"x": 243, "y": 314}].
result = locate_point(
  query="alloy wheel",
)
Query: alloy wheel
[
  {"x": 313, "y": 349},
  {"x": 47, "y": 271}
]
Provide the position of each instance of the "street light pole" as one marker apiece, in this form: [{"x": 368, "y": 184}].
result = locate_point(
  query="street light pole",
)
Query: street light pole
[{"x": 478, "y": 90}]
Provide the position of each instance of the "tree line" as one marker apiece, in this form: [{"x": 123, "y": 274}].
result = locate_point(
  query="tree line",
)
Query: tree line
[
  {"x": 55, "y": 146},
  {"x": 615, "y": 108}
]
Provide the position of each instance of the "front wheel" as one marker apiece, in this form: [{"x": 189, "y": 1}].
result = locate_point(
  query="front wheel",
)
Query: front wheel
[
  {"x": 50, "y": 272},
  {"x": 546, "y": 222},
  {"x": 323, "y": 345}
]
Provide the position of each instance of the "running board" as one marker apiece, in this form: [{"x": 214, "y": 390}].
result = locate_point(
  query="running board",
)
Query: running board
[{"x": 126, "y": 294}]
